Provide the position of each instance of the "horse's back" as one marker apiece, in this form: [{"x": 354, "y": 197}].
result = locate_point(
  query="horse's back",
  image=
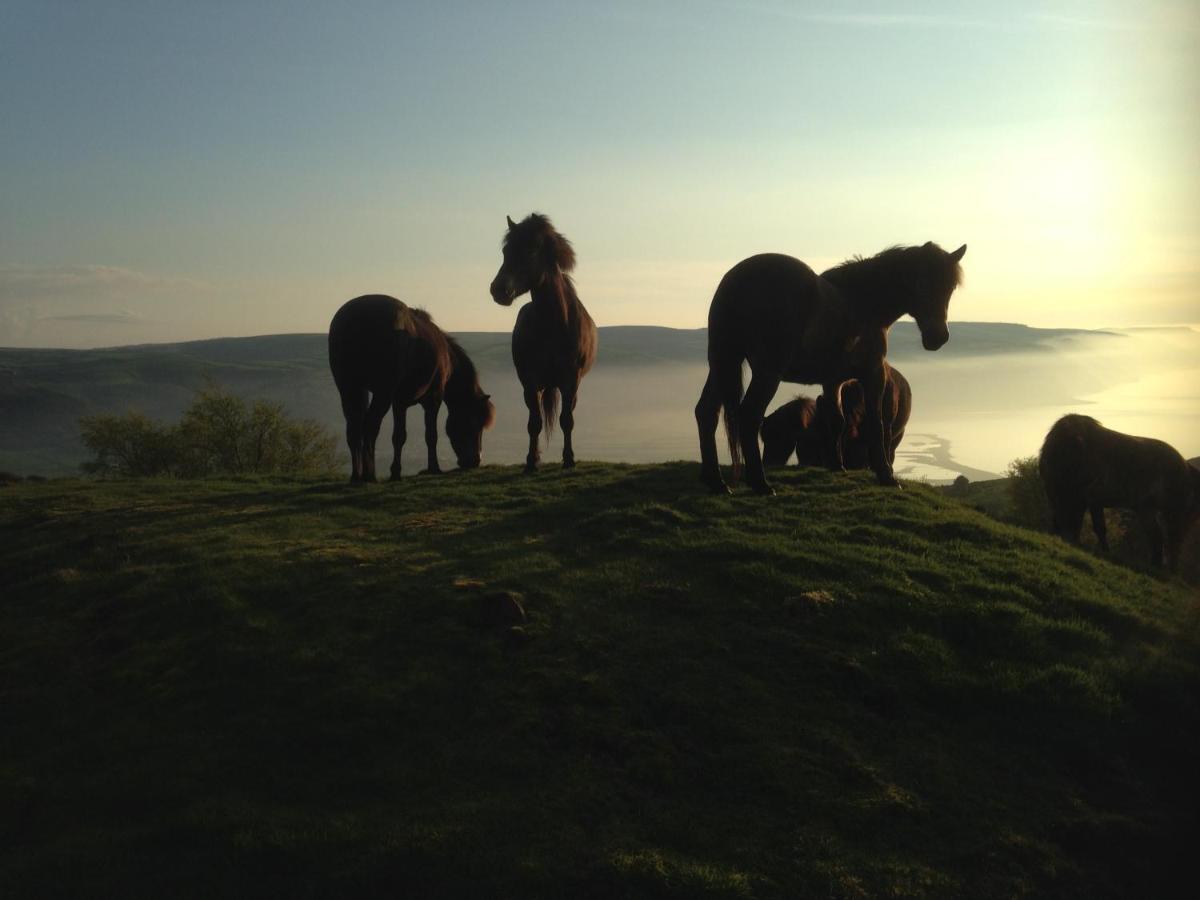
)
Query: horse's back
[
  {"x": 1082, "y": 459},
  {"x": 763, "y": 308},
  {"x": 365, "y": 340},
  {"x": 763, "y": 282}
]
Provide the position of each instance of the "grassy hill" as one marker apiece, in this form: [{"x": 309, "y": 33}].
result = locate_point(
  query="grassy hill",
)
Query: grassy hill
[
  {"x": 287, "y": 688},
  {"x": 43, "y": 393}
]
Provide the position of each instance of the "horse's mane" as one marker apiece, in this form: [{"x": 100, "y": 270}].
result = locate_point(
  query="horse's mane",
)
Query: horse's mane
[
  {"x": 876, "y": 274},
  {"x": 464, "y": 380},
  {"x": 535, "y": 236},
  {"x": 438, "y": 342}
]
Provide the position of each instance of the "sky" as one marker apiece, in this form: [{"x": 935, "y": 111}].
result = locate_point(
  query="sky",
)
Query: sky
[{"x": 180, "y": 170}]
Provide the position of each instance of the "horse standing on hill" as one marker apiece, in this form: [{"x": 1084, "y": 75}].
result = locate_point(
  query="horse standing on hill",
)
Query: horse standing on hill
[
  {"x": 395, "y": 356},
  {"x": 554, "y": 341},
  {"x": 791, "y": 324},
  {"x": 803, "y": 427},
  {"x": 1087, "y": 467}
]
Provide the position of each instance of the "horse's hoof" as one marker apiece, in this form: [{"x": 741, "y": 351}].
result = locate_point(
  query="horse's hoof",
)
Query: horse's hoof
[
  {"x": 568, "y": 463},
  {"x": 530, "y": 469},
  {"x": 430, "y": 472},
  {"x": 763, "y": 490},
  {"x": 889, "y": 481}
]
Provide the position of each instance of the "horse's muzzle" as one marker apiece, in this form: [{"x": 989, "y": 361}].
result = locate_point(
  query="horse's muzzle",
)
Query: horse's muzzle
[
  {"x": 502, "y": 292},
  {"x": 934, "y": 341}
]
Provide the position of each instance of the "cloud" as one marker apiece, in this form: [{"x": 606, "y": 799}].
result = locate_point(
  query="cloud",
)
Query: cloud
[
  {"x": 124, "y": 317},
  {"x": 29, "y": 283}
]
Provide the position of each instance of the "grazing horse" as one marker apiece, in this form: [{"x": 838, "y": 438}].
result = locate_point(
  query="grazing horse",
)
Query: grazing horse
[
  {"x": 1085, "y": 466},
  {"x": 791, "y": 324},
  {"x": 803, "y": 427},
  {"x": 554, "y": 342},
  {"x": 396, "y": 355}
]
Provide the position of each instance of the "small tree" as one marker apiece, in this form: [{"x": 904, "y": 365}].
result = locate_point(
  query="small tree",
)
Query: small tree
[
  {"x": 130, "y": 445},
  {"x": 1029, "y": 505},
  {"x": 218, "y": 434}
]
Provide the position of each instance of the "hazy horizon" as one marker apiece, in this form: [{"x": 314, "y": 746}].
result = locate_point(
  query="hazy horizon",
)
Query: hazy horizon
[{"x": 175, "y": 172}]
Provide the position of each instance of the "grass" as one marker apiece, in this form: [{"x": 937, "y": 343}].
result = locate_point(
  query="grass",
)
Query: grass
[{"x": 290, "y": 688}]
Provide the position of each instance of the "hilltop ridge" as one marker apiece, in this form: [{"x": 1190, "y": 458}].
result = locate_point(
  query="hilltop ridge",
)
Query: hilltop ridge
[{"x": 302, "y": 687}]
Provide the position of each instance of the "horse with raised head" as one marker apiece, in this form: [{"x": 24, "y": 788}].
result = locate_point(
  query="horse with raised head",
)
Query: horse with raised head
[
  {"x": 554, "y": 341},
  {"x": 791, "y": 324},
  {"x": 384, "y": 354},
  {"x": 803, "y": 426},
  {"x": 1086, "y": 467}
]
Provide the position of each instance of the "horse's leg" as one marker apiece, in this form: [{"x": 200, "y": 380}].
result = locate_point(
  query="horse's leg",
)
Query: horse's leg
[
  {"x": 533, "y": 400},
  {"x": 1149, "y": 520},
  {"x": 1098, "y": 525},
  {"x": 431, "y": 408},
  {"x": 763, "y": 385},
  {"x": 1068, "y": 519},
  {"x": 872, "y": 385},
  {"x": 380, "y": 402},
  {"x": 834, "y": 418},
  {"x": 568, "y": 394},
  {"x": 354, "y": 408},
  {"x": 708, "y": 414},
  {"x": 1176, "y": 521},
  {"x": 399, "y": 434}
]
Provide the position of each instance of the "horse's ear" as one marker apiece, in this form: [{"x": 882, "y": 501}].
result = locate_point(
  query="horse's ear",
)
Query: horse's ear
[
  {"x": 959, "y": 253},
  {"x": 927, "y": 245},
  {"x": 511, "y": 223}
]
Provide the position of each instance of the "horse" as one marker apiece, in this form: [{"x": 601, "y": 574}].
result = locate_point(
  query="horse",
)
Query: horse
[
  {"x": 793, "y": 428},
  {"x": 1085, "y": 466},
  {"x": 802, "y": 426},
  {"x": 791, "y": 324},
  {"x": 554, "y": 341},
  {"x": 380, "y": 347}
]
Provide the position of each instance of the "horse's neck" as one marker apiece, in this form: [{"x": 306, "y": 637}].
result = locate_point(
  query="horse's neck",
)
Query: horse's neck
[
  {"x": 555, "y": 299},
  {"x": 462, "y": 380},
  {"x": 864, "y": 302}
]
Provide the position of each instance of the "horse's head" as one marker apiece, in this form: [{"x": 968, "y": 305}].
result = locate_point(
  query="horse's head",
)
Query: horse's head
[
  {"x": 533, "y": 251},
  {"x": 936, "y": 278},
  {"x": 465, "y": 425}
]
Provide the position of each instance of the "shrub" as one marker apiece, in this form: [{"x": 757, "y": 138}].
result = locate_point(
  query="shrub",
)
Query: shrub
[
  {"x": 1029, "y": 506},
  {"x": 130, "y": 445},
  {"x": 219, "y": 434}
]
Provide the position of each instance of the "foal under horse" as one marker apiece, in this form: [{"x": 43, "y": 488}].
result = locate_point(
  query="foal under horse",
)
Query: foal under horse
[
  {"x": 791, "y": 324},
  {"x": 554, "y": 342}
]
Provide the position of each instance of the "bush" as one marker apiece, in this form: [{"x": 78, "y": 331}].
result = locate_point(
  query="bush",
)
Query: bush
[
  {"x": 130, "y": 445},
  {"x": 219, "y": 434},
  {"x": 1029, "y": 505}
]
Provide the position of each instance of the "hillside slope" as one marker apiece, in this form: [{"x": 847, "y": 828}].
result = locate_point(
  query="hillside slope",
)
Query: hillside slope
[{"x": 303, "y": 689}]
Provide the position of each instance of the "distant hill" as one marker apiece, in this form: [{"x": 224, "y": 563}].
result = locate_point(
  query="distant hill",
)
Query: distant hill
[{"x": 44, "y": 392}]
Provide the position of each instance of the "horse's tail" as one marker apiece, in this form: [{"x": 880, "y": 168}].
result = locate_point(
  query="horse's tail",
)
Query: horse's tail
[
  {"x": 731, "y": 401},
  {"x": 549, "y": 410}
]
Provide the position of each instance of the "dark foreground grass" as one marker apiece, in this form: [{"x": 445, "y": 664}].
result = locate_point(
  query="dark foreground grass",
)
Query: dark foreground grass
[{"x": 282, "y": 688}]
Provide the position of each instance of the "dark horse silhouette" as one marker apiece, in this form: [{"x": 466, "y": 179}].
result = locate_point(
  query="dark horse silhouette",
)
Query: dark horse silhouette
[
  {"x": 554, "y": 342},
  {"x": 803, "y": 426},
  {"x": 1085, "y": 466},
  {"x": 791, "y": 324},
  {"x": 399, "y": 357}
]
